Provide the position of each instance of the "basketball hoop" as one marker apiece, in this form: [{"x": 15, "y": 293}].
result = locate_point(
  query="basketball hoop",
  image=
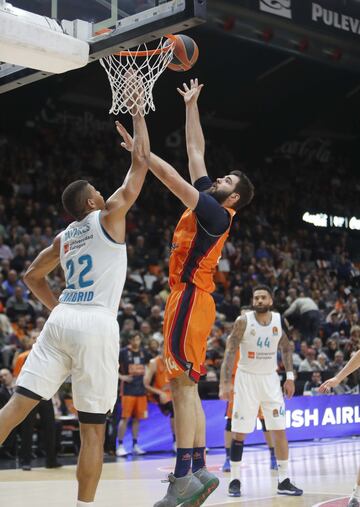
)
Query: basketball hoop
[{"x": 132, "y": 75}]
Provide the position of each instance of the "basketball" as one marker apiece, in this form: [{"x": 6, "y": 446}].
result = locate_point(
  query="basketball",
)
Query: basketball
[{"x": 185, "y": 55}]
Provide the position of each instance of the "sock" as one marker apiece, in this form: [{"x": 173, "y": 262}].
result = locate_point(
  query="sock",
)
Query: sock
[
  {"x": 236, "y": 452},
  {"x": 272, "y": 451},
  {"x": 80, "y": 504},
  {"x": 227, "y": 452},
  {"x": 283, "y": 469},
  {"x": 183, "y": 462},
  {"x": 356, "y": 491},
  {"x": 134, "y": 441},
  {"x": 198, "y": 459}
]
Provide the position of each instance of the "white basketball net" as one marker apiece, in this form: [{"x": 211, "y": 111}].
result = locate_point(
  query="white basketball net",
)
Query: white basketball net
[{"x": 132, "y": 76}]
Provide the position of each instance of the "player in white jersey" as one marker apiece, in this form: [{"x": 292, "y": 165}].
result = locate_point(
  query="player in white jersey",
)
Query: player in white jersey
[
  {"x": 259, "y": 334},
  {"x": 350, "y": 367},
  {"x": 81, "y": 336}
]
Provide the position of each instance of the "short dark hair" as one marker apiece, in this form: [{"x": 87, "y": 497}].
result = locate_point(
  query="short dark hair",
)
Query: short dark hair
[
  {"x": 74, "y": 198},
  {"x": 263, "y": 287},
  {"x": 135, "y": 333},
  {"x": 245, "y": 188}
]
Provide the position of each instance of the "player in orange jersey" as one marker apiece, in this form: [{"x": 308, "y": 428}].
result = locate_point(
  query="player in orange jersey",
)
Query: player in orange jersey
[
  {"x": 156, "y": 383},
  {"x": 190, "y": 309}
]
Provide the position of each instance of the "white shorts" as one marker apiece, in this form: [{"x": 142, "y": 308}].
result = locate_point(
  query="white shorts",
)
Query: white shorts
[
  {"x": 252, "y": 391},
  {"x": 82, "y": 342}
]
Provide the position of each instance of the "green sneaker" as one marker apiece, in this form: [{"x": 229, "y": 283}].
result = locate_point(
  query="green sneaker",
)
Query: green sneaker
[
  {"x": 208, "y": 480},
  {"x": 186, "y": 491}
]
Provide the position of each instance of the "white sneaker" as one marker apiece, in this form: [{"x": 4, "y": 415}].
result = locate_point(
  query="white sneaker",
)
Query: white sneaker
[
  {"x": 137, "y": 450},
  {"x": 121, "y": 451}
]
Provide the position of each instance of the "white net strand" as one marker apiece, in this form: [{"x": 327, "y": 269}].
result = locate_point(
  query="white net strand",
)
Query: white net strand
[{"x": 130, "y": 72}]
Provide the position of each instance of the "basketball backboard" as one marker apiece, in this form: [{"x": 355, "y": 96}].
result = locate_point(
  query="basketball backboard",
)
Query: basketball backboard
[{"x": 132, "y": 22}]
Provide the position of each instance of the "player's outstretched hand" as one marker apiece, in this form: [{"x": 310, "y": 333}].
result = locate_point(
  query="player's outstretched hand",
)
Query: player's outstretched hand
[
  {"x": 128, "y": 141},
  {"x": 225, "y": 391},
  {"x": 191, "y": 94},
  {"x": 289, "y": 388},
  {"x": 328, "y": 384}
]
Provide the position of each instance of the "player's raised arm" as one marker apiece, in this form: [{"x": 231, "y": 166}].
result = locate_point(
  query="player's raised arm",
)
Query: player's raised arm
[
  {"x": 195, "y": 142},
  {"x": 166, "y": 174},
  {"x": 286, "y": 354},
  {"x": 232, "y": 345},
  {"x": 119, "y": 203},
  {"x": 35, "y": 276}
]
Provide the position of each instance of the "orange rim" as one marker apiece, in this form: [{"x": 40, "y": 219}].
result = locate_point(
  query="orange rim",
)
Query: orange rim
[{"x": 148, "y": 52}]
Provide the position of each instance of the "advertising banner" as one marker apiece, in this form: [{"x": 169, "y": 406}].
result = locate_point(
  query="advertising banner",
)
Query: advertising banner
[
  {"x": 341, "y": 19},
  {"x": 308, "y": 417}
]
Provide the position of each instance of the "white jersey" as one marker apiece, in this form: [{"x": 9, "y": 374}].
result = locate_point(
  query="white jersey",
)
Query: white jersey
[
  {"x": 94, "y": 265},
  {"x": 259, "y": 345}
]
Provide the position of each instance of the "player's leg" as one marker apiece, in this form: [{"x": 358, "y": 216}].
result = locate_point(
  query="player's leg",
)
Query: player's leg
[
  {"x": 91, "y": 456},
  {"x": 15, "y": 411},
  {"x": 243, "y": 421},
  {"x": 269, "y": 440},
  {"x": 273, "y": 406},
  {"x": 121, "y": 451},
  {"x": 140, "y": 412},
  {"x": 354, "y": 501},
  {"x": 227, "y": 444}
]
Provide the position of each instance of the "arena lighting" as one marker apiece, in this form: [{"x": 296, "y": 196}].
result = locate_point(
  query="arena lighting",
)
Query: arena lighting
[{"x": 333, "y": 221}]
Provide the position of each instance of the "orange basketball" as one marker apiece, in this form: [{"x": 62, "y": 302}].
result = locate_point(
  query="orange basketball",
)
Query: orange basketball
[{"x": 185, "y": 53}]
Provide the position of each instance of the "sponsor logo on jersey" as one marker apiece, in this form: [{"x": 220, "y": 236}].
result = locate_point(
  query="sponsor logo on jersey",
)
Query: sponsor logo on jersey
[
  {"x": 75, "y": 232},
  {"x": 278, "y": 7},
  {"x": 66, "y": 248},
  {"x": 251, "y": 355},
  {"x": 275, "y": 331}
]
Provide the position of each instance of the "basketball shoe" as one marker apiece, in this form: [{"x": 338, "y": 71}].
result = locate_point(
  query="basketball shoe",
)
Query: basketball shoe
[
  {"x": 208, "y": 480},
  {"x": 226, "y": 465},
  {"x": 121, "y": 451},
  {"x": 185, "y": 491},
  {"x": 137, "y": 450},
  {"x": 234, "y": 488},
  {"x": 353, "y": 502},
  {"x": 286, "y": 488}
]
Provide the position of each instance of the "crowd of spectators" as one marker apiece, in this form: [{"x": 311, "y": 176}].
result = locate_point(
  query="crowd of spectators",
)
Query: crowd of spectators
[{"x": 267, "y": 245}]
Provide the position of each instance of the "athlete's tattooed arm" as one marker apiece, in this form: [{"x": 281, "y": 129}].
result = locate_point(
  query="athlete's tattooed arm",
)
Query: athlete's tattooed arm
[
  {"x": 227, "y": 366},
  {"x": 286, "y": 354}
]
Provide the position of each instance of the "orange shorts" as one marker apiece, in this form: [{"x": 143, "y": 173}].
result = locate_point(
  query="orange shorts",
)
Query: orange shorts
[
  {"x": 134, "y": 406},
  {"x": 189, "y": 317}
]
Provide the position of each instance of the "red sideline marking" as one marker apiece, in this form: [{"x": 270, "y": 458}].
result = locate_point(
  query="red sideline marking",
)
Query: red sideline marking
[{"x": 336, "y": 502}]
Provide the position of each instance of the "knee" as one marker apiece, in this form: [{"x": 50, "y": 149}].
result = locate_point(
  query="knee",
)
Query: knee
[
  {"x": 92, "y": 434},
  {"x": 239, "y": 437}
]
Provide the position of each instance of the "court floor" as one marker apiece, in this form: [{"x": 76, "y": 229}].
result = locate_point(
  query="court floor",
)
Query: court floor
[{"x": 325, "y": 470}]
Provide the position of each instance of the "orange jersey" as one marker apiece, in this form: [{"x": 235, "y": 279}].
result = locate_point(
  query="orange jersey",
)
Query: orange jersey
[
  {"x": 160, "y": 378},
  {"x": 195, "y": 253},
  {"x": 20, "y": 362}
]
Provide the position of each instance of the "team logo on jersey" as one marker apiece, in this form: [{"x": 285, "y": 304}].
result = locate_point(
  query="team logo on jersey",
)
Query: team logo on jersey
[
  {"x": 251, "y": 355},
  {"x": 253, "y": 332},
  {"x": 66, "y": 248},
  {"x": 275, "y": 331},
  {"x": 275, "y": 412}
]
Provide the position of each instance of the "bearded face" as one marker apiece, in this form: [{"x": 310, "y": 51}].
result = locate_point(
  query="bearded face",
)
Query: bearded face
[{"x": 219, "y": 194}]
